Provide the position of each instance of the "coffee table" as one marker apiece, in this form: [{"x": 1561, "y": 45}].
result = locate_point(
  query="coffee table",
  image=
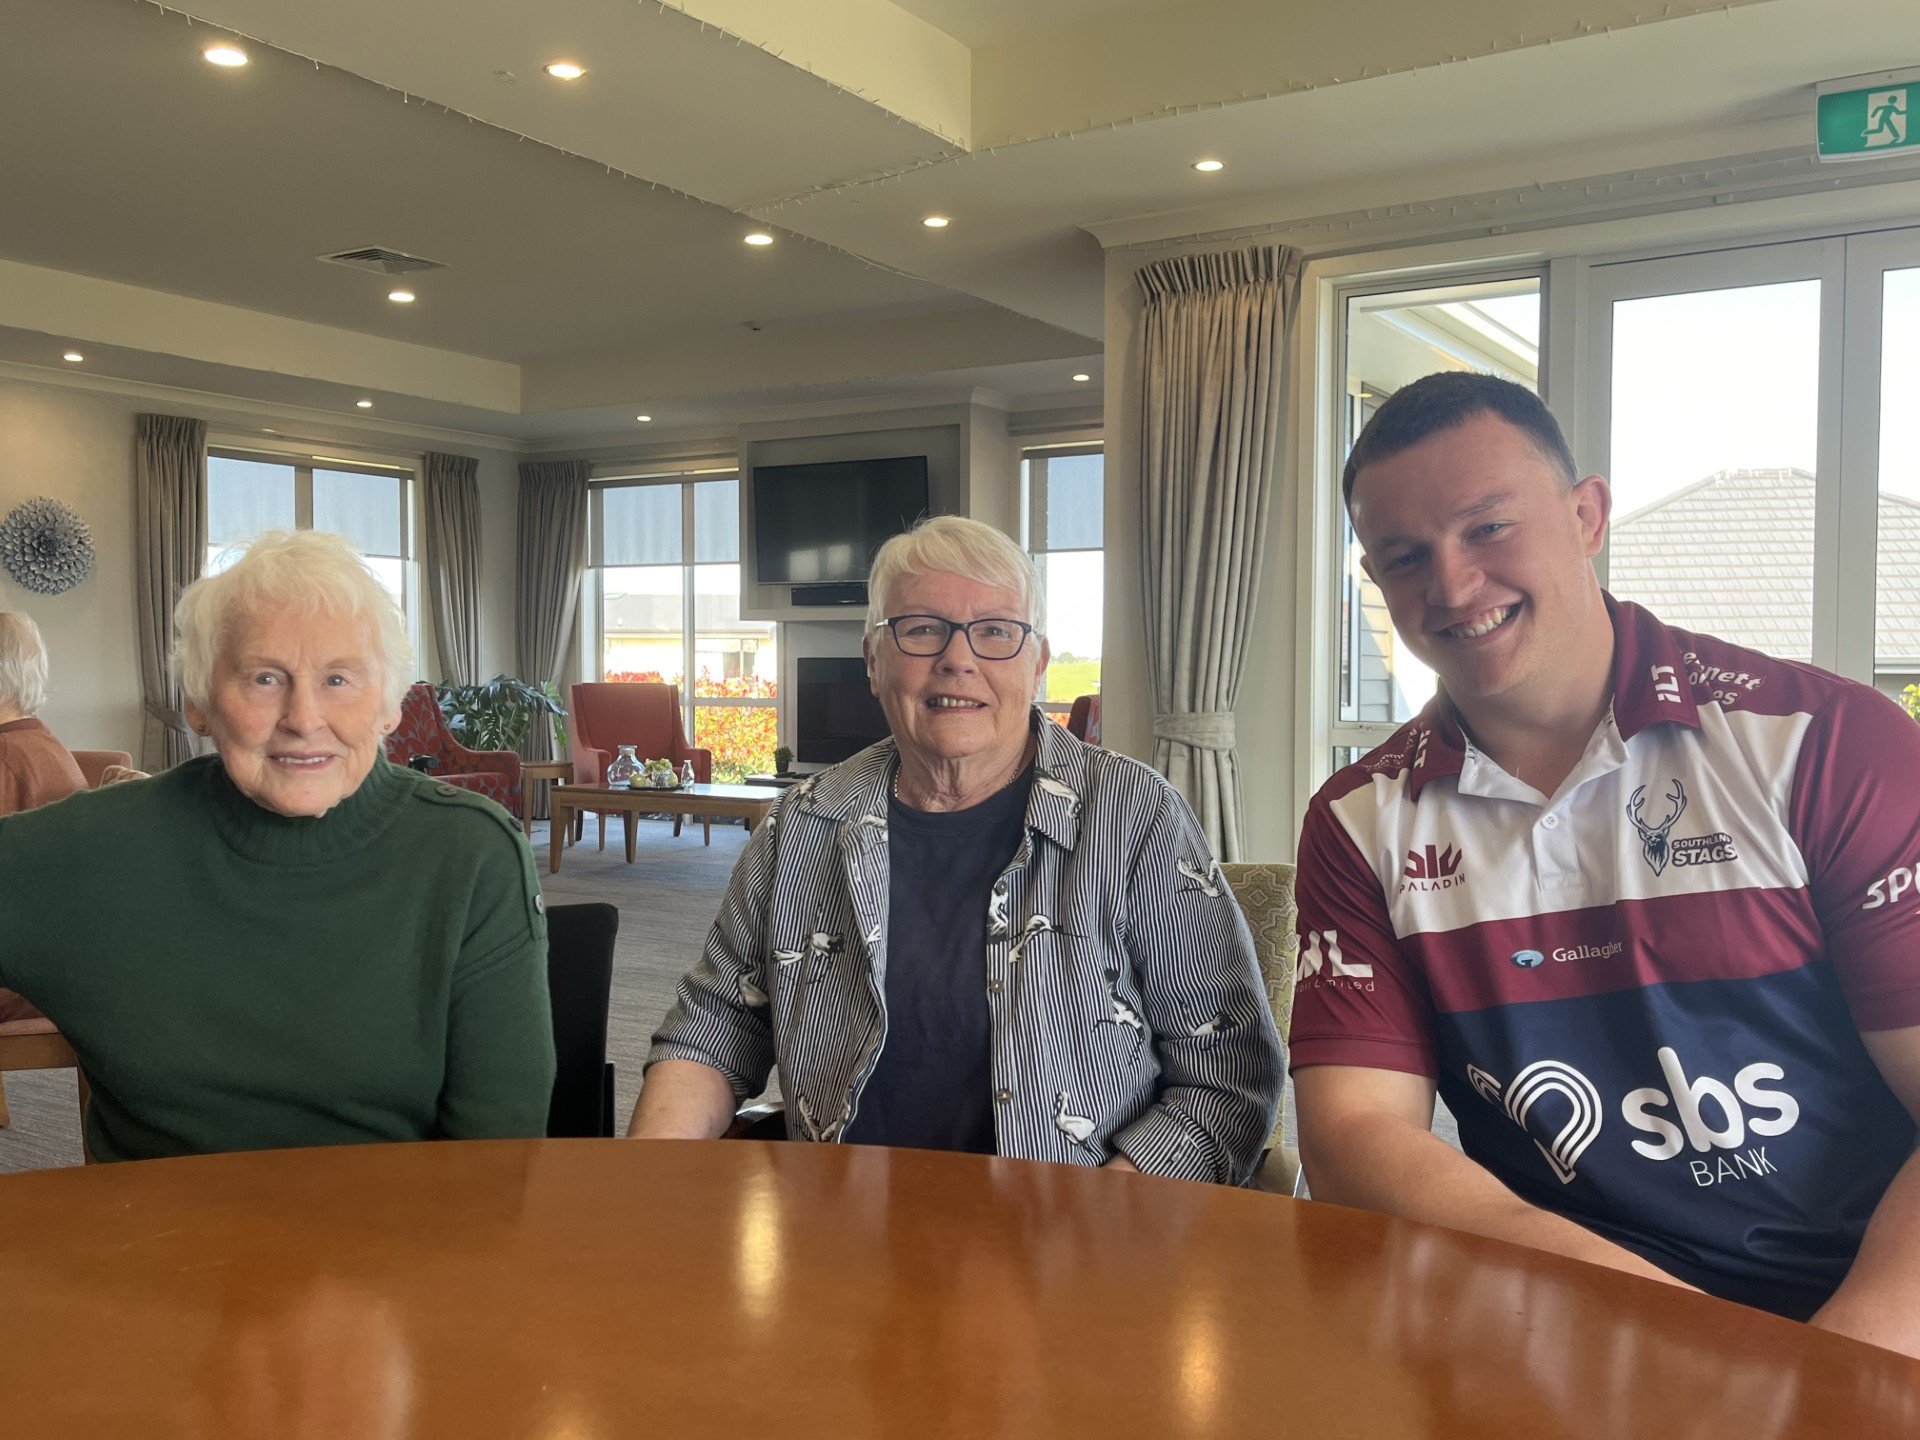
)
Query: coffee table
[{"x": 702, "y": 802}]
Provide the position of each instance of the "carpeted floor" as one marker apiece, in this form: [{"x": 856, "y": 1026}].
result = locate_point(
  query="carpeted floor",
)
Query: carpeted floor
[{"x": 667, "y": 898}]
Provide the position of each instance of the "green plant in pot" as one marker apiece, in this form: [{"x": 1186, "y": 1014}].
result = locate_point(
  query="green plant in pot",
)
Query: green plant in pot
[
  {"x": 782, "y": 760},
  {"x": 497, "y": 714}
]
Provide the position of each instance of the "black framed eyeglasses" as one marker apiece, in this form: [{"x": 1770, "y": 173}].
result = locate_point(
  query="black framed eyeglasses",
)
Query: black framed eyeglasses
[{"x": 928, "y": 635}]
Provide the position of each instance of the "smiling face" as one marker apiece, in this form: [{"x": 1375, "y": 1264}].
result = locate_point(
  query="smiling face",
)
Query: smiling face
[
  {"x": 296, "y": 709},
  {"x": 1484, "y": 556},
  {"x": 955, "y": 708}
]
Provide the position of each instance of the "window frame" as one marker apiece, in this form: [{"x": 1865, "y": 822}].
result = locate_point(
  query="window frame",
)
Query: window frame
[
  {"x": 593, "y": 630},
  {"x": 303, "y": 463},
  {"x": 1033, "y": 484}
]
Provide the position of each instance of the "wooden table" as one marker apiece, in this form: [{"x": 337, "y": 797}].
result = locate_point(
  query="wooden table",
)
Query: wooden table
[
  {"x": 603, "y": 1288},
  {"x": 704, "y": 802},
  {"x": 532, "y": 771}
]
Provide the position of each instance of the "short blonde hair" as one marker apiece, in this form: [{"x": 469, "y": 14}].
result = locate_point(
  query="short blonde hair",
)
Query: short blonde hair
[
  {"x": 23, "y": 664},
  {"x": 955, "y": 545},
  {"x": 304, "y": 571}
]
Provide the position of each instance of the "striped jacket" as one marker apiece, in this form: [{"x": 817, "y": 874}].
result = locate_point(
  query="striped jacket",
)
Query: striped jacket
[{"x": 1127, "y": 1012}]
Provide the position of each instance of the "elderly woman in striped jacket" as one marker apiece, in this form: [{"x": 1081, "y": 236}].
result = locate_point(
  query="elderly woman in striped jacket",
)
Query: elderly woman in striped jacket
[{"x": 979, "y": 934}]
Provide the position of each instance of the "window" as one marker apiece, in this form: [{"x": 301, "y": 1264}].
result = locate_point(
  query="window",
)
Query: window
[
  {"x": 665, "y": 589},
  {"x": 1066, "y": 491},
  {"x": 369, "y": 505},
  {"x": 1392, "y": 338}
]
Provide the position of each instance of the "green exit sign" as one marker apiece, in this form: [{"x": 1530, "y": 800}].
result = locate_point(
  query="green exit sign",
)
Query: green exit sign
[{"x": 1869, "y": 115}]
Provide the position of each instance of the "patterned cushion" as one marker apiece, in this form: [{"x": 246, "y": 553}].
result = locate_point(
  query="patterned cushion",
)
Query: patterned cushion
[{"x": 1265, "y": 893}]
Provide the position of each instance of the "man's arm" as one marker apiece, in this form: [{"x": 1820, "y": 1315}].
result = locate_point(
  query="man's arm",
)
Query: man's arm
[
  {"x": 1879, "y": 1301},
  {"x": 1366, "y": 1140},
  {"x": 682, "y": 1100}
]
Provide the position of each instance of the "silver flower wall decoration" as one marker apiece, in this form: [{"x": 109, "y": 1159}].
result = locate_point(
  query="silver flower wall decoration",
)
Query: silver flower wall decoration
[{"x": 46, "y": 547}]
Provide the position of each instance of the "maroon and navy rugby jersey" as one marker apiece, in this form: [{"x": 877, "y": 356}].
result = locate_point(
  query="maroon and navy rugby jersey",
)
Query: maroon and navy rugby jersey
[{"x": 1642, "y": 997}]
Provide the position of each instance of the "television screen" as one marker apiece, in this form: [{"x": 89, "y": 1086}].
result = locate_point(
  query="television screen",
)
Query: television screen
[
  {"x": 835, "y": 714},
  {"x": 820, "y": 524}
]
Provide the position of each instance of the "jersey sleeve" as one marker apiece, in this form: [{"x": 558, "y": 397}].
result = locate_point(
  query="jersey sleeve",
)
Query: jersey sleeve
[
  {"x": 1854, "y": 812},
  {"x": 1357, "y": 1001}
]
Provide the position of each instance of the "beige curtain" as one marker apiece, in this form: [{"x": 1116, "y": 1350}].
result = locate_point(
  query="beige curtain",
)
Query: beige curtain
[
  {"x": 1212, "y": 347},
  {"x": 452, "y": 563},
  {"x": 553, "y": 557},
  {"x": 170, "y": 501}
]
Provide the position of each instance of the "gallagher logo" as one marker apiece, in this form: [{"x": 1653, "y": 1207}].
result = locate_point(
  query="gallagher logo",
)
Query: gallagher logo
[
  {"x": 1528, "y": 959},
  {"x": 1431, "y": 868}
]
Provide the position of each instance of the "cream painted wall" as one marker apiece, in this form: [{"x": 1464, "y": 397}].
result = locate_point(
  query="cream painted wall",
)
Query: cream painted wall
[
  {"x": 1264, "y": 721},
  {"x": 77, "y": 446}
]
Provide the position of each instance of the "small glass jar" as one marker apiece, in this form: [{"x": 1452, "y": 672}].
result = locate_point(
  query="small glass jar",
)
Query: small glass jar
[
  {"x": 686, "y": 772},
  {"x": 622, "y": 768}
]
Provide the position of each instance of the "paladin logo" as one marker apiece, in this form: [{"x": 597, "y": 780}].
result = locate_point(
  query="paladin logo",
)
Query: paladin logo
[
  {"x": 1431, "y": 868},
  {"x": 1564, "y": 1146},
  {"x": 1653, "y": 838}
]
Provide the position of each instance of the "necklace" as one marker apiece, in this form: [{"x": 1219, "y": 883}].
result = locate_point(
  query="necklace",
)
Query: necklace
[{"x": 1027, "y": 753}]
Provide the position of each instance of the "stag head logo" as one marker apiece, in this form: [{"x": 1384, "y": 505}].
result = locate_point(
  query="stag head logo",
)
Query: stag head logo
[{"x": 1653, "y": 838}]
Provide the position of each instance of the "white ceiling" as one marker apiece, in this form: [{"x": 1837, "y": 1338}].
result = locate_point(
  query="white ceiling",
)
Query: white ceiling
[{"x": 166, "y": 215}]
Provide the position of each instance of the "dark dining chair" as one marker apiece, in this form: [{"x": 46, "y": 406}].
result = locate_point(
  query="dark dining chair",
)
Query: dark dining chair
[{"x": 580, "y": 981}]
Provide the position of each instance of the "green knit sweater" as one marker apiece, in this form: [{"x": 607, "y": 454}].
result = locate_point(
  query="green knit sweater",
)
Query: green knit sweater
[{"x": 233, "y": 979}]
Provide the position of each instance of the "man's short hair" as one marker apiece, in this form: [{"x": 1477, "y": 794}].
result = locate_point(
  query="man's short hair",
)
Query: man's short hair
[{"x": 1452, "y": 397}]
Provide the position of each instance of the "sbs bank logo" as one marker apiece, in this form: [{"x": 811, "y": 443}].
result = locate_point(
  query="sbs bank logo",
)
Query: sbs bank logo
[{"x": 1564, "y": 1148}]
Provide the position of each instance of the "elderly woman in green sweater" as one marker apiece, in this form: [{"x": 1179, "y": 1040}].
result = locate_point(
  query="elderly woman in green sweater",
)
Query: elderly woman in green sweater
[{"x": 290, "y": 941}]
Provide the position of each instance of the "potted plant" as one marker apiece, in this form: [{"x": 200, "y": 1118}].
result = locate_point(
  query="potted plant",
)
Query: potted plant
[
  {"x": 497, "y": 714},
  {"x": 782, "y": 760}
]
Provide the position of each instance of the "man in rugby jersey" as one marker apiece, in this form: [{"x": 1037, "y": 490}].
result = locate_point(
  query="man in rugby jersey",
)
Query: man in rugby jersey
[{"x": 1640, "y": 904}]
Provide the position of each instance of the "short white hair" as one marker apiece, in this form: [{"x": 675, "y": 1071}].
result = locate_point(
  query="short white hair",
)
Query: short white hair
[
  {"x": 307, "y": 572},
  {"x": 23, "y": 664},
  {"x": 955, "y": 545}
]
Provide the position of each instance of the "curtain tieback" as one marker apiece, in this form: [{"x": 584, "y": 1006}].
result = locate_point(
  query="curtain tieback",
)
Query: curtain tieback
[
  {"x": 172, "y": 719},
  {"x": 1202, "y": 729}
]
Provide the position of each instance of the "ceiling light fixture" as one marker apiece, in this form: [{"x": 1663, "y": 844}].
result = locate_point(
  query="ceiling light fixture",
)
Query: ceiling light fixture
[
  {"x": 644, "y": 419},
  {"x": 759, "y": 237},
  {"x": 225, "y": 54},
  {"x": 401, "y": 297},
  {"x": 566, "y": 70},
  {"x": 936, "y": 222},
  {"x": 1208, "y": 167},
  {"x": 363, "y": 404},
  {"x": 73, "y": 357},
  {"x": 1081, "y": 379}
]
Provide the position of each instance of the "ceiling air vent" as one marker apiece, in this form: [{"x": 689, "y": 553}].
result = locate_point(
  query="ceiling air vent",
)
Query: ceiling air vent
[{"x": 381, "y": 261}]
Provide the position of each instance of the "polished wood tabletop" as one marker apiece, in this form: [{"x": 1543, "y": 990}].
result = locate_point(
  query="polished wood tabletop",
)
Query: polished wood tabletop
[
  {"x": 703, "y": 802},
  {"x": 591, "y": 1289}
]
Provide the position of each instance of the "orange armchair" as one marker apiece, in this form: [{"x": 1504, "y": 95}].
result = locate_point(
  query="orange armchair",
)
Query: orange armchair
[
  {"x": 643, "y": 714},
  {"x": 423, "y": 731}
]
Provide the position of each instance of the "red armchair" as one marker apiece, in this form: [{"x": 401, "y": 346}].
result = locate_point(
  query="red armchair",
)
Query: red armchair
[
  {"x": 643, "y": 714},
  {"x": 1084, "y": 721},
  {"x": 423, "y": 731}
]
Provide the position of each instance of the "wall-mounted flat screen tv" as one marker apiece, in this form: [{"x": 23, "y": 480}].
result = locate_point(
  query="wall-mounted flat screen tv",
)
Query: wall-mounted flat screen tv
[{"x": 820, "y": 524}]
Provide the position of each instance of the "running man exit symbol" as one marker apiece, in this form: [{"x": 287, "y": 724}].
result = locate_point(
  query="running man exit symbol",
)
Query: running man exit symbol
[
  {"x": 1869, "y": 116},
  {"x": 1886, "y": 118}
]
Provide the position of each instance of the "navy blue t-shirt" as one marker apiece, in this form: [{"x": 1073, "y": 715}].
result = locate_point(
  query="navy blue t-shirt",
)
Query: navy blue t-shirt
[{"x": 932, "y": 1088}]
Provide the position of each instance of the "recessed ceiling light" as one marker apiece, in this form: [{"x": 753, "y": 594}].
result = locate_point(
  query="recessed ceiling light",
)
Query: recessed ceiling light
[
  {"x": 759, "y": 237},
  {"x": 644, "y": 419},
  {"x": 225, "y": 54},
  {"x": 401, "y": 297},
  {"x": 363, "y": 404},
  {"x": 936, "y": 222},
  {"x": 1207, "y": 167},
  {"x": 73, "y": 357},
  {"x": 1082, "y": 379},
  {"x": 566, "y": 70}
]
